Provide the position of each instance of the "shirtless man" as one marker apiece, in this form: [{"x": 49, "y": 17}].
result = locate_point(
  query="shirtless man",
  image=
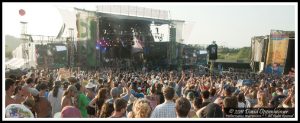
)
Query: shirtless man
[
  {"x": 42, "y": 106},
  {"x": 9, "y": 90},
  {"x": 18, "y": 96}
]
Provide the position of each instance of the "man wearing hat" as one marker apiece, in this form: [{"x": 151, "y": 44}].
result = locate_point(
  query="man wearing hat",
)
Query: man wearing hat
[
  {"x": 90, "y": 93},
  {"x": 90, "y": 89},
  {"x": 95, "y": 83}
]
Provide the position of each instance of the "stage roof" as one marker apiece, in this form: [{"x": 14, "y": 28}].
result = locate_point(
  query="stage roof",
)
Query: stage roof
[{"x": 128, "y": 17}]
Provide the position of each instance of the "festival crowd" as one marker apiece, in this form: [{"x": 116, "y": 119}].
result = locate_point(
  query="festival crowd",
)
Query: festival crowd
[{"x": 115, "y": 93}]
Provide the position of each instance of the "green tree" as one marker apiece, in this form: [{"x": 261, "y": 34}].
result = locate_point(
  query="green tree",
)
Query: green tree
[
  {"x": 244, "y": 53},
  {"x": 8, "y": 55}
]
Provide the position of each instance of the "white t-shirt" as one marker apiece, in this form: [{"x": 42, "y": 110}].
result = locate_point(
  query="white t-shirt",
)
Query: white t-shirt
[{"x": 56, "y": 101}]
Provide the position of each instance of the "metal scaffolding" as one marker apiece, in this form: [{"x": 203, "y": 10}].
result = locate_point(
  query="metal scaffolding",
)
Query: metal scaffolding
[
  {"x": 24, "y": 41},
  {"x": 70, "y": 44}
]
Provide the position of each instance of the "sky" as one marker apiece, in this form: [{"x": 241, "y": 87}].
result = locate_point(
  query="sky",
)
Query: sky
[{"x": 229, "y": 24}]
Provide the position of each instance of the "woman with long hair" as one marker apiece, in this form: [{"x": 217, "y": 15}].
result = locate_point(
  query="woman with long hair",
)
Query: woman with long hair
[
  {"x": 99, "y": 100},
  {"x": 241, "y": 100},
  {"x": 55, "y": 97},
  {"x": 262, "y": 101},
  {"x": 106, "y": 110}
]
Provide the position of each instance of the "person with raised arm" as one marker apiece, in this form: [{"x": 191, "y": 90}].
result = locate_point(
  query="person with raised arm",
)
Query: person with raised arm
[
  {"x": 181, "y": 83},
  {"x": 115, "y": 93}
]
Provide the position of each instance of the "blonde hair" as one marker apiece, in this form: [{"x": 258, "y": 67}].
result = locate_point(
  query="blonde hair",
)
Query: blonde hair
[
  {"x": 262, "y": 100},
  {"x": 141, "y": 108}
]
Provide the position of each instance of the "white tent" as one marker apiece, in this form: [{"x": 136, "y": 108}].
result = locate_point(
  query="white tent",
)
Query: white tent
[
  {"x": 15, "y": 63},
  {"x": 69, "y": 19}
]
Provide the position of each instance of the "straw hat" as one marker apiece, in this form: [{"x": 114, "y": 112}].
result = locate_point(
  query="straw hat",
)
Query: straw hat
[{"x": 90, "y": 85}]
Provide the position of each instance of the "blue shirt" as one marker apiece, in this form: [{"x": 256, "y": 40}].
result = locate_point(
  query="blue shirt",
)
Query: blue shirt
[
  {"x": 133, "y": 93},
  {"x": 140, "y": 95}
]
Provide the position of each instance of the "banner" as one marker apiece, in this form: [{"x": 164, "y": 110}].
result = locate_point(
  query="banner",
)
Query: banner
[
  {"x": 91, "y": 44},
  {"x": 257, "y": 48},
  {"x": 138, "y": 45},
  {"x": 82, "y": 25},
  {"x": 87, "y": 31},
  {"x": 277, "y": 51}
]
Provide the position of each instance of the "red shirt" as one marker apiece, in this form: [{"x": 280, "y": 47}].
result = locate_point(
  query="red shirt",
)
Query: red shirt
[{"x": 204, "y": 88}]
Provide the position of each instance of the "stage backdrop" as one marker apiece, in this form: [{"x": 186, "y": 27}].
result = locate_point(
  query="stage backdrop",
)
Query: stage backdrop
[
  {"x": 87, "y": 32},
  {"x": 277, "y": 51}
]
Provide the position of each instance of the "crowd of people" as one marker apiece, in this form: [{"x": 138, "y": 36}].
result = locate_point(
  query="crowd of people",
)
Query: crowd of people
[{"x": 115, "y": 93}]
